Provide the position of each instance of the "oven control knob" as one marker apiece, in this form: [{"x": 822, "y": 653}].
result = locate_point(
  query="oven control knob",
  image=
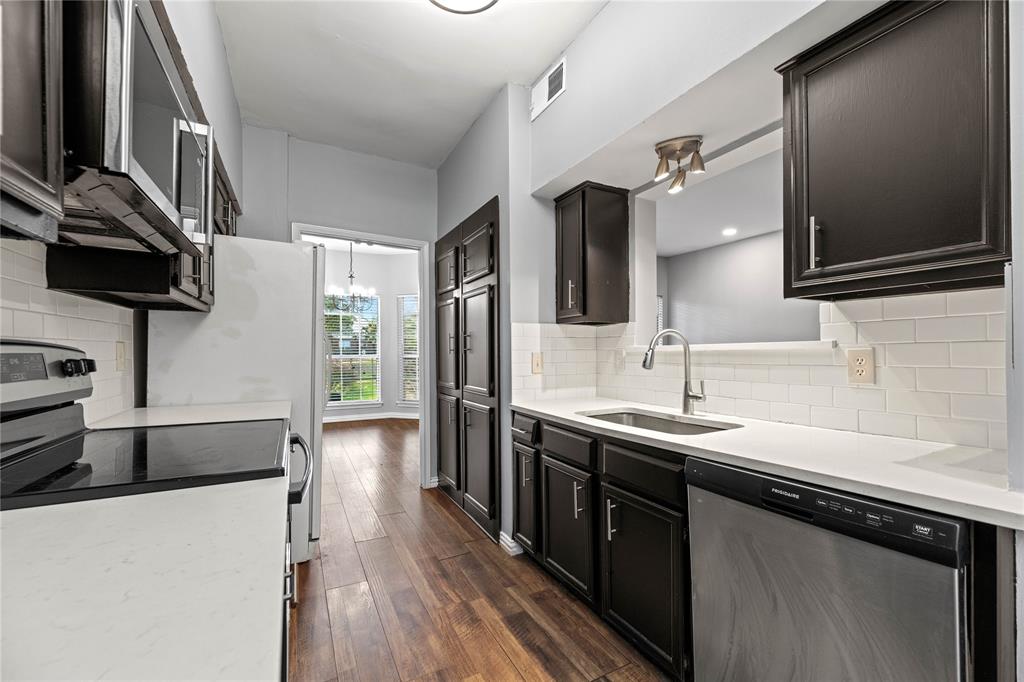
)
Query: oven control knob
[{"x": 73, "y": 367}]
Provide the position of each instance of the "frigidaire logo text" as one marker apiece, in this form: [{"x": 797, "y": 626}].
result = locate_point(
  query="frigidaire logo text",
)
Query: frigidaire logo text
[{"x": 787, "y": 493}]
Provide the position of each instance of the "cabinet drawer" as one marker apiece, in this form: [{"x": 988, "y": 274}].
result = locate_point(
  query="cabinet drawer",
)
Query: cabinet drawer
[
  {"x": 569, "y": 446},
  {"x": 655, "y": 477},
  {"x": 525, "y": 429}
]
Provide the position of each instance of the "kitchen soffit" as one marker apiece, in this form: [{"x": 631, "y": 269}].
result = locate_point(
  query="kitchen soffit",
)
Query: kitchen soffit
[{"x": 400, "y": 79}]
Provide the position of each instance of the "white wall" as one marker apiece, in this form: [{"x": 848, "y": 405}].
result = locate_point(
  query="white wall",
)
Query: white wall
[
  {"x": 28, "y": 310},
  {"x": 643, "y": 270},
  {"x": 636, "y": 57},
  {"x": 392, "y": 275},
  {"x": 291, "y": 180},
  {"x": 198, "y": 31}
]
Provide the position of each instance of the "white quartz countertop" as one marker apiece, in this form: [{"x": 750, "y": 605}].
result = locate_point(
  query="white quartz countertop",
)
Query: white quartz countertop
[
  {"x": 959, "y": 481},
  {"x": 180, "y": 584},
  {"x": 196, "y": 414}
]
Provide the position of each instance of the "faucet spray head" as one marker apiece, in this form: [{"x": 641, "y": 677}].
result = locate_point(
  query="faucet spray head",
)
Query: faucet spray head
[{"x": 648, "y": 362}]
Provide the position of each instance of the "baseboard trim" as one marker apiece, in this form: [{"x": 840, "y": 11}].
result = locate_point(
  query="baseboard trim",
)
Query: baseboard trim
[
  {"x": 333, "y": 418},
  {"x": 510, "y": 546},
  {"x": 432, "y": 482}
]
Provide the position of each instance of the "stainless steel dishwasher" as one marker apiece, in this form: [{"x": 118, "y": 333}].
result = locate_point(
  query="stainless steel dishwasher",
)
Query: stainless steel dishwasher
[{"x": 795, "y": 582}]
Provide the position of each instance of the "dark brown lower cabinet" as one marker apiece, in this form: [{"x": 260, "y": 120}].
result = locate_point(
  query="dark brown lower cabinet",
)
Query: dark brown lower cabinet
[
  {"x": 642, "y": 587},
  {"x": 448, "y": 441},
  {"x": 567, "y": 525},
  {"x": 477, "y": 463},
  {"x": 524, "y": 498}
]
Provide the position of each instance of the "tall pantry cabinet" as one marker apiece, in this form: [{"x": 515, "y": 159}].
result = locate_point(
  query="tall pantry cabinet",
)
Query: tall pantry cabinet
[{"x": 467, "y": 343}]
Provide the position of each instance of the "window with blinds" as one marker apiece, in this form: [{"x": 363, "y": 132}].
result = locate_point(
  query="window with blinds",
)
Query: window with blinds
[
  {"x": 408, "y": 349},
  {"x": 352, "y": 325}
]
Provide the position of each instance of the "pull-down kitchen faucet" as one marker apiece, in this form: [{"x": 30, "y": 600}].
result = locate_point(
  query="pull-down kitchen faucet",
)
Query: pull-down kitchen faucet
[{"x": 689, "y": 395}]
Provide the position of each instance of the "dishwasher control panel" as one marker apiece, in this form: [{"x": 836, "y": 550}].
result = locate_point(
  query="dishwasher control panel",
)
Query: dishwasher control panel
[{"x": 878, "y": 516}]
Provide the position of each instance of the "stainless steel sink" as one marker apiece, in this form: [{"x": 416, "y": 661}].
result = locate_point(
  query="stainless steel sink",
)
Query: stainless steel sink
[{"x": 663, "y": 423}]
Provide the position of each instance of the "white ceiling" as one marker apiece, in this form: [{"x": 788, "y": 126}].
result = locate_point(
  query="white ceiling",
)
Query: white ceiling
[
  {"x": 401, "y": 79},
  {"x": 747, "y": 198}
]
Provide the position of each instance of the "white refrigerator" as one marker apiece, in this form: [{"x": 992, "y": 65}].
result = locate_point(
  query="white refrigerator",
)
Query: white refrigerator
[{"x": 262, "y": 340}]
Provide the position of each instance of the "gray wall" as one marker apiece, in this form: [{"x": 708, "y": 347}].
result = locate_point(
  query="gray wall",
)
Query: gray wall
[
  {"x": 733, "y": 294},
  {"x": 198, "y": 31},
  {"x": 392, "y": 275},
  {"x": 291, "y": 180}
]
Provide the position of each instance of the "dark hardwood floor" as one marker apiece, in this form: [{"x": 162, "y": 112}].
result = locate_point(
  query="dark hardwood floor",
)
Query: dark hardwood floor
[{"x": 407, "y": 587}]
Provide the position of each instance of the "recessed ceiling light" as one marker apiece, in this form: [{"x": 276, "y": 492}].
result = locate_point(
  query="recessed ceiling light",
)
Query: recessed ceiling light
[
  {"x": 464, "y": 6},
  {"x": 729, "y": 232}
]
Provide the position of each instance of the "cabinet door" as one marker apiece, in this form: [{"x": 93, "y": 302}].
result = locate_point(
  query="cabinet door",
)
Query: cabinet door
[
  {"x": 525, "y": 500},
  {"x": 448, "y": 440},
  {"x": 32, "y": 144},
  {"x": 478, "y": 254},
  {"x": 478, "y": 460},
  {"x": 569, "y": 257},
  {"x": 445, "y": 272},
  {"x": 567, "y": 527},
  {"x": 478, "y": 340},
  {"x": 447, "y": 344},
  {"x": 642, "y": 553},
  {"x": 896, "y": 152}
]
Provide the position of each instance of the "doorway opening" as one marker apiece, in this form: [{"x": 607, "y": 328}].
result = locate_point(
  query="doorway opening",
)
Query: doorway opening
[{"x": 375, "y": 329}]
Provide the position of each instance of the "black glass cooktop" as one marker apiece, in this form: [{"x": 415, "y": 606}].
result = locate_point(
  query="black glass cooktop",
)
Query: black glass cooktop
[{"x": 110, "y": 463}]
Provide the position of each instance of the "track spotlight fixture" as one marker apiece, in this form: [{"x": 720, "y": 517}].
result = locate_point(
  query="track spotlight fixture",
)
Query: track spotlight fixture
[
  {"x": 677, "y": 149},
  {"x": 676, "y": 186}
]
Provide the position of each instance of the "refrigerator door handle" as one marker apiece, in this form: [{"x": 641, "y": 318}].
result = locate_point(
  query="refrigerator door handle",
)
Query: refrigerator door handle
[{"x": 298, "y": 489}]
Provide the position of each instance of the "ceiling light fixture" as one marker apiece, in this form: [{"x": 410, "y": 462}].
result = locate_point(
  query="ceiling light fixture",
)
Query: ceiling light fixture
[
  {"x": 464, "y": 6},
  {"x": 676, "y": 186},
  {"x": 729, "y": 232},
  {"x": 677, "y": 149}
]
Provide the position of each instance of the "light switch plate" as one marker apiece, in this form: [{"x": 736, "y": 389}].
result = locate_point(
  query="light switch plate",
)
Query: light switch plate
[
  {"x": 537, "y": 363},
  {"x": 860, "y": 365},
  {"x": 120, "y": 356}
]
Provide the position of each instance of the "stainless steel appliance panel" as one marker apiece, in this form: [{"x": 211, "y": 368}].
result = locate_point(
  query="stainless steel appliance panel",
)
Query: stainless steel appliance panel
[{"x": 775, "y": 598}]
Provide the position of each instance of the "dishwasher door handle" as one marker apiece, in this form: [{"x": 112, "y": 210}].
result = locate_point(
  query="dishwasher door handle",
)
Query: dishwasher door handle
[{"x": 297, "y": 490}]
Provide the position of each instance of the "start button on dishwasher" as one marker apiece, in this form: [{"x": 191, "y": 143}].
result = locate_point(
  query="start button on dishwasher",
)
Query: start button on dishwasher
[{"x": 924, "y": 531}]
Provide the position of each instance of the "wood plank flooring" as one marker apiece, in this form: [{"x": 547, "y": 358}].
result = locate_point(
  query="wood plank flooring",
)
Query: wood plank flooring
[{"x": 406, "y": 587}]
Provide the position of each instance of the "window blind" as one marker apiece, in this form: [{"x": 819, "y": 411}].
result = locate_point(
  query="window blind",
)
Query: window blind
[
  {"x": 408, "y": 349},
  {"x": 352, "y": 325}
]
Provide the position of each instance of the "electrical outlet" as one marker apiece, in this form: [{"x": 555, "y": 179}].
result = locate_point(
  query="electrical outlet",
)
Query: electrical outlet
[
  {"x": 120, "y": 356},
  {"x": 538, "y": 363},
  {"x": 860, "y": 366}
]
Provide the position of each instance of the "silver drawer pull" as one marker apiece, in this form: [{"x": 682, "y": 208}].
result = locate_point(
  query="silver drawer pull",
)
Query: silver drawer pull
[
  {"x": 571, "y": 287},
  {"x": 814, "y": 259},
  {"x": 609, "y": 505},
  {"x": 576, "y": 508}
]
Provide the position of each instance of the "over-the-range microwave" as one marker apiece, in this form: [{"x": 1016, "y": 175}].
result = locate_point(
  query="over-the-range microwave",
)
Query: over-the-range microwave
[{"x": 139, "y": 167}]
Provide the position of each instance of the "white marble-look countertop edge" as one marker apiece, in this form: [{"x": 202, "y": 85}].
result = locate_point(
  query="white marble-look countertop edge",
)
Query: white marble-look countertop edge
[
  {"x": 938, "y": 477},
  {"x": 196, "y": 414}
]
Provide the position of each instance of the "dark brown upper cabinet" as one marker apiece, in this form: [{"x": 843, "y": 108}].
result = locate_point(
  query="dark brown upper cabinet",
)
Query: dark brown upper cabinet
[
  {"x": 478, "y": 360},
  {"x": 896, "y": 154},
  {"x": 447, "y": 344},
  {"x": 478, "y": 254},
  {"x": 592, "y": 255},
  {"x": 445, "y": 272},
  {"x": 31, "y": 161}
]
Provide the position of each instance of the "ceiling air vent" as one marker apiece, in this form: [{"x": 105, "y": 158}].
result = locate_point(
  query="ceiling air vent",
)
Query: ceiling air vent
[{"x": 549, "y": 87}]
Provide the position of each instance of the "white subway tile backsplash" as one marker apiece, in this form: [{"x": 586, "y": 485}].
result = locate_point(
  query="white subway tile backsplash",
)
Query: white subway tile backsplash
[
  {"x": 956, "y": 431},
  {"x": 997, "y": 382},
  {"x": 983, "y": 407},
  {"x": 810, "y": 395},
  {"x": 952, "y": 380},
  {"x": 775, "y": 393},
  {"x": 977, "y": 301},
  {"x": 857, "y": 310},
  {"x": 791, "y": 413},
  {"x": 843, "y": 332},
  {"x": 734, "y": 389},
  {"x": 918, "y": 402},
  {"x": 917, "y": 355},
  {"x": 966, "y": 328},
  {"x": 997, "y": 327},
  {"x": 828, "y": 376},
  {"x": 997, "y": 436},
  {"x": 31, "y": 311},
  {"x": 889, "y": 331},
  {"x": 753, "y": 409},
  {"x": 978, "y": 354},
  {"x": 911, "y": 307},
  {"x": 859, "y": 398},
  {"x": 790, "y": 375},
  {"x": 888, "y": 424},
  {"x": 834, "y": 418}
]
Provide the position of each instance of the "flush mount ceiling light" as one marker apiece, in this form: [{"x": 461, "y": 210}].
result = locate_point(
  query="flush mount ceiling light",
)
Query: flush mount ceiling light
[
  {"x": 729, "y": 232},
  {"x": 677, "y": 149},
  {"x": 464, "y": 6}
]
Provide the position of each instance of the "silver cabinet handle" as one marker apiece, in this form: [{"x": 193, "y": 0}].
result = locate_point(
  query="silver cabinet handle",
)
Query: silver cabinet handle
[
  {"x": 451, "y": 411},
  {"x": 465, "y": 341},
  {"x": 576, "y": 508},
  {"x": 465, "y": 418},
  {"x": 571, "y": 287},
  {"x": 609, "y": 505},
  {"x": 451, "y": 343},
  {"x": 812, "y": 244}
]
